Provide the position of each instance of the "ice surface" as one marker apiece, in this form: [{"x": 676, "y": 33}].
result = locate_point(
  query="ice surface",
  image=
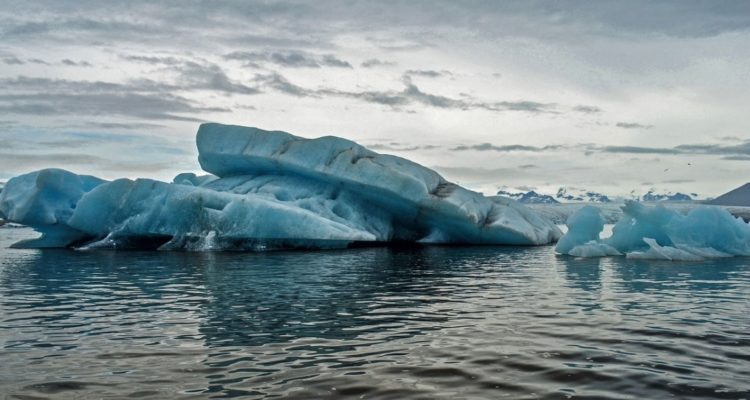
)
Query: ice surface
[
  {"x": 270, "y": 190},
  {"x": 659, "y": 233}
]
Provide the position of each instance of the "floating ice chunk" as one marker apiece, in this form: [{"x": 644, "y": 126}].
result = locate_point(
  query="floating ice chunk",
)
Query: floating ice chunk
[
  {"x": 660, "y": 233},
  {"x": 45, "y": 200}
]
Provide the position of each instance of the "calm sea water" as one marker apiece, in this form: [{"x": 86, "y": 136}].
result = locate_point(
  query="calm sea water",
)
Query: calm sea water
[{"x": 375, "y": 323}]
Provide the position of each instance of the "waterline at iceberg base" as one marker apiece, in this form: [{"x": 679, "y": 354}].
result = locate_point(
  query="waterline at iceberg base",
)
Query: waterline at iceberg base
[{"x": 268, "y": 190}]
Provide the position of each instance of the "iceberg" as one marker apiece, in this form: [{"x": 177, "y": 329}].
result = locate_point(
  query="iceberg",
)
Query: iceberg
[
  {"x": 268, "y": 190},
  {"x": 658, "y": 233}
]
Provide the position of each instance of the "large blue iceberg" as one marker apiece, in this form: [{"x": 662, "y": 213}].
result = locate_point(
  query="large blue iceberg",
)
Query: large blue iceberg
[
  {"x": 658, "y": 233},
  {"x": 268, "y": 190}
]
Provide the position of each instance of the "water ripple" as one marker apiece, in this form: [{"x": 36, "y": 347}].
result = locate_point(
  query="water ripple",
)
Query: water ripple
[{"x": 374, "y": 323}]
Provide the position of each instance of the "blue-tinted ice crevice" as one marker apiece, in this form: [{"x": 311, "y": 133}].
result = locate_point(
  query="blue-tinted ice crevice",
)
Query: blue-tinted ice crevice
[
  {"x": 657, "y": 233},
  {"x": 267, "y": 190}
]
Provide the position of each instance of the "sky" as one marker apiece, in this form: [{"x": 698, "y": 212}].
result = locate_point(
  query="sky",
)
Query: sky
[{"x": 611, "y": 96}]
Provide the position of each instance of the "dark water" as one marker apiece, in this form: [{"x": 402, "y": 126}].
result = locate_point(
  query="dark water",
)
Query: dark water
[{"x": 434, "y": 322}]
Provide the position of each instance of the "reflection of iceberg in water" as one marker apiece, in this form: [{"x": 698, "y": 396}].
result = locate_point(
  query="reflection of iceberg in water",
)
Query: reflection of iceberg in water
[
  {"x": 248, "y": 300},
  {"x": 312, "y": 295},
  {"x": 269, "y": 190},
  {"x": 583, "y": 274}
]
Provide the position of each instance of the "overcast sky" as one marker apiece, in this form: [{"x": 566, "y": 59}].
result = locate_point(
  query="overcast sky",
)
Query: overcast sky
[{"x": 608, "y": 96}]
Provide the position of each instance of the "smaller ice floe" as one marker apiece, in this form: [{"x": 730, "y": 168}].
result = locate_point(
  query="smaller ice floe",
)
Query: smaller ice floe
[
  {"x": 657, "y": 233},
  {"x": 46, "y": 199}
]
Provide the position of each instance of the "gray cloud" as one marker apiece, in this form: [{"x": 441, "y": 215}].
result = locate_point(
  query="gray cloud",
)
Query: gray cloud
[
  {"x": 70, "y": 63},
  {"x": 289, "y": 59},
  {"x": 37, "y": 61},
  {"x": 729, "y": 152},
  {"x": 12, "y": 61},
  {"x": 172, "y": 20},
  {"x": 638, "y": 150},
  {"x": 140, "y": 99},
  {"x": 153, "y": 60},
  {"x": 281, "y": 84},
  {"x": 506, "y": 148},
  {"x": 374, "y": 62},
  {"x": 150, "y": 107},
  {"x": 587, "y": 109},
  {"x": 632, "y": 125},
  {"x": 467, "y": 173},
  {"x": 427, "y": 73},
  {"x": 195, "y": 74},
  {"x": 410, "y": 95},
  {"x": 137, "y": 98},
  {"x": 393, "y": 146},
  {"x": 678, "y": 181},
  {"x": 212, "y": 77}
]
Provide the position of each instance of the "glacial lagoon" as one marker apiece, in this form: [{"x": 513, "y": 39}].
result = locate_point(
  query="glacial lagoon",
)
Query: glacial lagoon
[{"x": 420, "y": 322}]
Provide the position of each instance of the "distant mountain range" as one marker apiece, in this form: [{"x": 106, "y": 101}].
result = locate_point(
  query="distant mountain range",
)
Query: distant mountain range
[
  {"x": 573, "y": 195},
  {"x": 578, "y": 195},
  {"x": 530, "y": 197},
  {"x": 651, "y": 196}
]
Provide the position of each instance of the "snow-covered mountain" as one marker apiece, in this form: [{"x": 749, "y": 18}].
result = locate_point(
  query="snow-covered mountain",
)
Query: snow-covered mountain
[
  {"x": 567, "y": 195},
  {"x": 530, "y": 197},
  {"x": 563, "y": 195},
  {"x": 578, "y": 195},
  {"x": 651, "y": 195}
]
